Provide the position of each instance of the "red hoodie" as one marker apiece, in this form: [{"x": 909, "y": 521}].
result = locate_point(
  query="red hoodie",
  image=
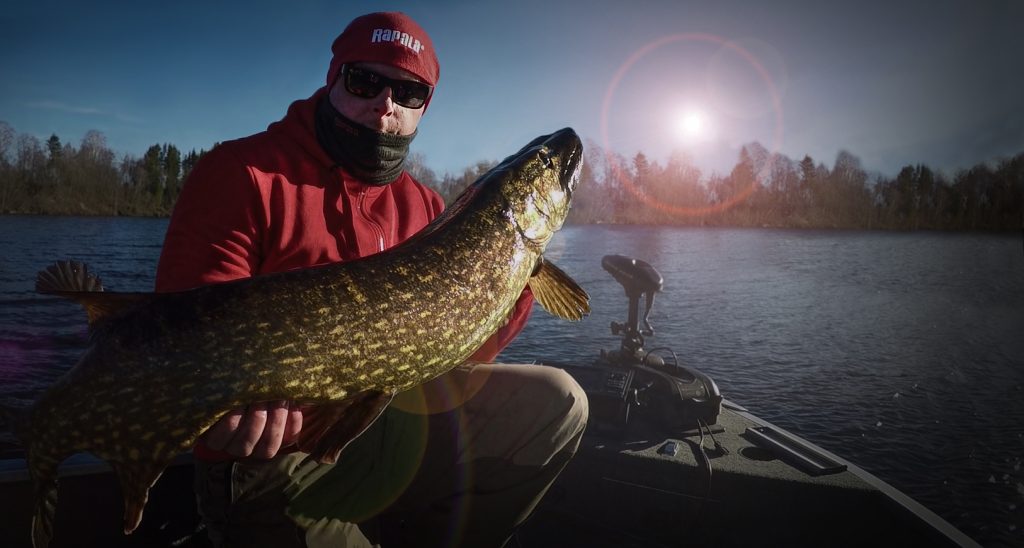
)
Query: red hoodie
[{"x": 276, "y": 201}]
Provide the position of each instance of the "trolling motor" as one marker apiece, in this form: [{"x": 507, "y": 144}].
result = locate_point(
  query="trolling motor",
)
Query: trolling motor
[
  {"x": 635, "y": 382},
  {"x": 638, "y": 278}
]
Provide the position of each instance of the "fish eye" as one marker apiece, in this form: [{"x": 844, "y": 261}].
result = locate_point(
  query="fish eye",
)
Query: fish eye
[{"x": 545, "y": 158}]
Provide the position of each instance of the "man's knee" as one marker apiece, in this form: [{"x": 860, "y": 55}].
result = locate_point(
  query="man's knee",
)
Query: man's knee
[
  {"x": 576, "y": 406},
  {"x": 555, "y": 407}
]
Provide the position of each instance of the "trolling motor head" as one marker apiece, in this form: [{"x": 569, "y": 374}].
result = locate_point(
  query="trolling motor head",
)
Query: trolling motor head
[{"x": 638, "y": 278}]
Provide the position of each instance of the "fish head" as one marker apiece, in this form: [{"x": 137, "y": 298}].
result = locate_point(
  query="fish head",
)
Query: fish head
[{"x": 538, "y": 182}]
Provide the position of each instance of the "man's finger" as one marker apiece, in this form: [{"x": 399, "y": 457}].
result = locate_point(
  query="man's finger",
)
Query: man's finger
[
  {"x": 294, "y": 426},
  {"x": 273, "y": 431},
  {"x": 220, "y": 434},
  {"x": 249, "y": 431}
]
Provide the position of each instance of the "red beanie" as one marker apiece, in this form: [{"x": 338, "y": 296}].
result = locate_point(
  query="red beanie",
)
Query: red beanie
[{"x": 390, "y": 38}]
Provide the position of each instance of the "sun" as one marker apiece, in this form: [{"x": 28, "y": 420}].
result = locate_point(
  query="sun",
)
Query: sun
[{"x": 692, "y": 124}]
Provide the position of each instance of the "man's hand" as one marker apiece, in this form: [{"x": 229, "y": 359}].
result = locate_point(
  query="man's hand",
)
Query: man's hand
[{"x": 259, "y": 431}]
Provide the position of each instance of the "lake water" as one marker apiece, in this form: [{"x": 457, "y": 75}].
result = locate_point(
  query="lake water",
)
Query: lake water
[{"x": 902, "y": 352}]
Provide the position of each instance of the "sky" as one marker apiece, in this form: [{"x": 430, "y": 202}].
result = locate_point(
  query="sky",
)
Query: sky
[{"x": 894, "y": 83}]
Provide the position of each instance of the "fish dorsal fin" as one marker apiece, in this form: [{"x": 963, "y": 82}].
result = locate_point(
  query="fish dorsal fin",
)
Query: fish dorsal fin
[
  {"x": 72, "y": 280},
  {"x": 558, "y": 293},
  {"x": 67, "y": 276}
]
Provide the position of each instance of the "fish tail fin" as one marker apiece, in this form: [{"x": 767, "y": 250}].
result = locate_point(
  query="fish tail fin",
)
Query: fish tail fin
[
  {"x": 558, "y": 293},
  {"x": 136, "y": 479},
  {"x": 44, "y": 477}
]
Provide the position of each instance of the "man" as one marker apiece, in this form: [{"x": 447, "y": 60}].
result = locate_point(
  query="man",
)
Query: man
[{"x": 462, "y": 460}]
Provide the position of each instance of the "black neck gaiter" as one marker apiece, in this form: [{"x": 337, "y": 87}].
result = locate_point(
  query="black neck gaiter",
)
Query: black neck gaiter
[{"x": 373, "y": 157}]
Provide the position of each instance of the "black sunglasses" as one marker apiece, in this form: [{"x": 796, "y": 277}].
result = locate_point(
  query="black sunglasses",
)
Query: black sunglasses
[{"x": 368, "y": 84}]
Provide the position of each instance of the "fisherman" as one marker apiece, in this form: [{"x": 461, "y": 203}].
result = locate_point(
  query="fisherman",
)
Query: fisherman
[{"x": 461, "y": 460}]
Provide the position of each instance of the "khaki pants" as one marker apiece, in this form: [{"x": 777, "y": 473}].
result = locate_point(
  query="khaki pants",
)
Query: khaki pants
[{"x": 460, "y": 461}]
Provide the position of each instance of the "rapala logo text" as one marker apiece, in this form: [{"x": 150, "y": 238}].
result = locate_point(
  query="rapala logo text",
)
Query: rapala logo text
[{"x": 389, "y": 35}]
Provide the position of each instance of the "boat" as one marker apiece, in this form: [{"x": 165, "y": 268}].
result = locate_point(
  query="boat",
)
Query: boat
[{"x": 666, "y": 461}]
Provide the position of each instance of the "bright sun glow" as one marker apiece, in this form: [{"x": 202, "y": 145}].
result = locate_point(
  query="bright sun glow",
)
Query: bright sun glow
[
  {"x": 693, "y": 122},
  {"x": 693, "y": 125}
]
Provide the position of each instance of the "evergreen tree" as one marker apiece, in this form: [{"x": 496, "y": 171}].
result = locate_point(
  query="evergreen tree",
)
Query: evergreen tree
[
  {"x": 641, "y": 173},
  {"x": 805, "y": 192},
  {"x": 172, "y": 174},
  {"x": 153, "y": 169},
  {"x": 190, "y": 161},
  {"x": 54, "y": 147}
]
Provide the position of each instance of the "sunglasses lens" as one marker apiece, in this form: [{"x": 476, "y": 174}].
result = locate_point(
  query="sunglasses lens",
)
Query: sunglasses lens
[
  {"x": 362, "y": 83},
  {"x": 410, "y": 94},
  {"x": 368, "y": 84}
]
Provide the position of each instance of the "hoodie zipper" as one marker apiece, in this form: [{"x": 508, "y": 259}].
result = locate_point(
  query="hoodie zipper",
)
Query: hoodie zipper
[{"x": 374, "y": 225}]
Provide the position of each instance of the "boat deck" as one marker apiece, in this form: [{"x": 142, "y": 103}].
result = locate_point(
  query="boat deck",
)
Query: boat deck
[
  {"x": 629, "y": 492},
  {"x": 618, "y": 491}
]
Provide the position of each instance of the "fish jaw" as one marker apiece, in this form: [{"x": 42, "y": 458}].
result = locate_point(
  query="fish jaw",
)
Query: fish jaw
[{"x": 541, "y": 179}]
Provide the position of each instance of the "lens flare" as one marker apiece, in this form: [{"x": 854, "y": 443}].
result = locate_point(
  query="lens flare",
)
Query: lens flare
[{"x": 692, "y": 123}]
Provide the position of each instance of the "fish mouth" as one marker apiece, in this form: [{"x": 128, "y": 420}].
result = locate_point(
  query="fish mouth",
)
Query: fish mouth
[
  {"x": 566, "y": 145},
  {"x": 562, "y": 148}
]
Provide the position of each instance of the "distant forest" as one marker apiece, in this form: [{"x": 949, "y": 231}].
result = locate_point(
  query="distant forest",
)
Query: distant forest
[{"x": 762, "y": 190}]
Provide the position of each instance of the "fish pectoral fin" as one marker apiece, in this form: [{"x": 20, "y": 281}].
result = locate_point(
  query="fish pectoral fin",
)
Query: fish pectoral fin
[
  {"x": 136, "y": 478},
  {"x": 558, "y": 293},
  {"x": 335, "y": 425},
  {"x": 72, "y": 280}
]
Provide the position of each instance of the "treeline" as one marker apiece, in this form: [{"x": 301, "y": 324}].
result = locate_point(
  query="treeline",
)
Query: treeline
[
  {"x": 771, "y": 190},
  {"x": 58, "y": 178},
  {"x": 450, "y": 185},
  {"x": 763, "y": 189}
]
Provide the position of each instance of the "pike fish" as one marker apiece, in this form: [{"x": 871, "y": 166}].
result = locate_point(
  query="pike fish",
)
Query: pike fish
[{"x": 161, "y": 368}]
